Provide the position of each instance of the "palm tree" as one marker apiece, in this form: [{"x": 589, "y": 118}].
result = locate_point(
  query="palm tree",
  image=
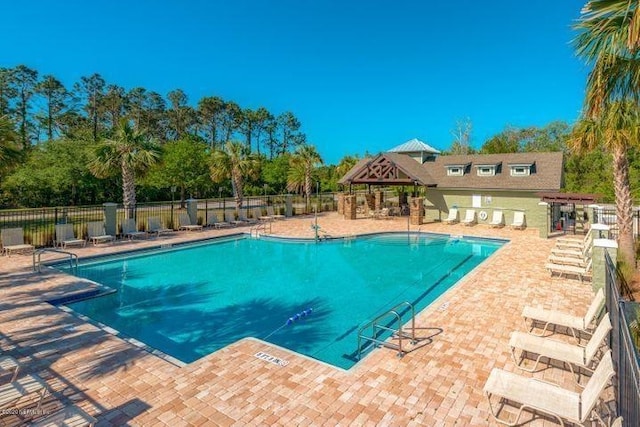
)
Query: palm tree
[
  {"x": 304, "y": 159},
  {"x": 9, "y": 152},
  {"x": 615, "y": 129},
  {"x": 130, "y": 151},
  {"x": 234, "y": 162}
]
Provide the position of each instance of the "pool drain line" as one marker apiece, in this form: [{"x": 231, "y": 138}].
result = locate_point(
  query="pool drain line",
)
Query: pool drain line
[{"x": 292, "y": 319}]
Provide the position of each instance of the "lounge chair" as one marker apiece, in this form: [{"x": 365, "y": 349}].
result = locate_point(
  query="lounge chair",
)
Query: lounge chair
[
  {"x": 185, "y": 223},
  {"x": 497, "y": 220},
  {"x": 67, "y": 416},
  {"x": 257, "y": 212},
  {"x": 243, "y": 217},
  {"x": 13, "y": 241},
  {"x": 572, "y": 252},
  {"x": 540, "y": 396},
  {"x": 272, "y": 214},
  {"x": 21, "y": 387},
  {"x": 470, "y": 217},
  {"x": 567, "y": 260},
  {"x": 155, "y": 226},
  {"x": 130, "y": 230},
  {"x": 519, "y": 221},
  {"x": 559, "y": 318},
  {"x": 231, "y": 219},
  {"x": 453, "y": 217},
  {"x": 575, "y": 243},
  {"x": 66, "y": 237},
  {"x": 8, "y": 363},
  {"x": 573, "y": 355},
  {"x": 212, "y": 221},
  {"x": 572, "y": 270},
  {"x": 97, "y": 234}
]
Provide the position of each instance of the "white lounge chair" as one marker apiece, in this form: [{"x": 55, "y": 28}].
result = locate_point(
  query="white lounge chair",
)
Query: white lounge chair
[
  {"x": 185, "y": 223},
  {"x": 572, "y": 270},
  {"x": 470, "y": 217},
  {"x": 65, "y": 236},
  {"x": 229, "y": 217},
  {"x": 257, "y": 212},
  {"x": 67, "y": 416},
  {"x": 212, "y": 221},
  {"x": 572, "y": 242},
  {"x": 242, "y": 216},
  {"x": 547, "y": 348},
  {"x": 453, "y": 217},
  {"x": 567, "y": 260},
  {"x": 572, "y": 252},
  {"x": 155, "y": 226},
  {"x": 21, "y": 387},
  {"x": 559, "y": 318},
  {"x": 271, "y": 213},
  {"x": 497, "y": 220},
  {"x": 97, "y": 234},
  {"x": 539, "y": 396},
  {"x": 130, "y": 230},
  {"x": 519, "y": 221},
  {"x": 8, "y": 363},
  {"x": 13, "y": 241}
]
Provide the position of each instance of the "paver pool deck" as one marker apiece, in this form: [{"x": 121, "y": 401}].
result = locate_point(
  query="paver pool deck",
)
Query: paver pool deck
[{"x": 438, "y": 383}]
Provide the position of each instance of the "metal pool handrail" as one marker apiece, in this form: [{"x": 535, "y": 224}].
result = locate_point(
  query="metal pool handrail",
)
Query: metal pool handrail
[
  {"x": 73, "y": 258},
  {"x": 399, "y": 333}
]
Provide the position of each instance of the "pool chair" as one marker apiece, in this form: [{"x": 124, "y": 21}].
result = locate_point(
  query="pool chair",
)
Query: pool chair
[
  {"x": 212, "y": 221},
  {"x": 571, "y": 270},
  {"x": 67, "y": 416},
  {"x": 519, "y": 221},
  {"x": 552, "y": 318},
  {"x": 572, "y": 252},
  {"x": 272, "y": 214},
  {"x": 130, "y": 230},
  {"x": 66, "y": 237},
  {"x": 470, "y": 217},
  {"x": 7, "y": 364},
  {"x": 497, "y": 220},
  {"x": 257, "y": 213},
  {"x": 230, "y": 217},
  {"x": 547, "y": 348},
  {"x": 534, "y": 395},
  {"x": 185, "y": 223},
  {"x": 573, "y": 243},
  {"x": 242, "y": 216},
  {"x": 453, "y": 217},
  {"x": 13, "y": 241},
  {"x": 23, "y": 386},
  {"x": 97, "y": 234},
  {"x": 155, "y": 226}
]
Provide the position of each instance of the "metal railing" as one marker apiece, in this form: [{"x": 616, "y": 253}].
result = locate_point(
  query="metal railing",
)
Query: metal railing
[
  {"x": 37, "y": 258},
  {"x": 379, "y": 330},
  {"x": 624, "y": 347}
]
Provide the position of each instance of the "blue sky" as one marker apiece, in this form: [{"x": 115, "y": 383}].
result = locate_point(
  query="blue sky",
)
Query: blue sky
[{"x": 361, "y": 75}]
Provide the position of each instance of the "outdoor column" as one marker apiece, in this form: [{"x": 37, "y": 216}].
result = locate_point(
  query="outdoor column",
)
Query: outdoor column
[
  {"x": 192, "y": 210},
  {"x": 379, "y": 199},
  {"x": 416, "y": 210},
  {"x": 288, "y": 205},
  {"x": 544, "y": 218},
  {"x": 371, "y": 203},
  {"x": 598, "y": 266},
  {"x": 110, "y": 218},
  {"x": 350, "y": 207},
  {"x": 341, "y": 197}
]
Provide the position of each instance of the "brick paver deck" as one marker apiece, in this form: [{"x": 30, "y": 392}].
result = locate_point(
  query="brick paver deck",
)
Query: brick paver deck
[{"x": 439, "y": 383}]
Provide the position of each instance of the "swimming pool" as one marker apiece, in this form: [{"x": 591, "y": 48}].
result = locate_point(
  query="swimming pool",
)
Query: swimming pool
[{"x": 311, "y": 298}]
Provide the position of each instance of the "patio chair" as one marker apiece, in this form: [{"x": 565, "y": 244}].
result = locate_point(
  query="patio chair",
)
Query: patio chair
[
  {"x": 8, "y": 363},
  {"x": 497, "y": 220},
  {"x": 453, "y": 217},
  {"x": 65, "y": 236},
  {"x": 13, "y": 241},
  {"x": 567, "y": 260},
  {"x": 67, "y": 416},
  {"x": 573, "y": 270},
  {"x": 155, "y": 226},
  {"x": 470, "y": 217},
  {"x": 229, "y": 217},
  {"x": 130, "y": 229},
  {"x": 185, "y": 223},
  {"x": 519, "y": 221},
  {"x": 559, "y": 318},
  {"x": 242, "y": 216},
  {"x": 212, "y": 221},
  {"x": 546, "y": 348},
  {"x": 572, "y": 252},
  {"x": 572, "y": 242},
  {"x": 271, "y": 213},
  {"x": 97, "y": 234},
  {"x": 24, "y": 386},
  {"x": 257, "y": 212},
  {"x": 539, "y": 396}
]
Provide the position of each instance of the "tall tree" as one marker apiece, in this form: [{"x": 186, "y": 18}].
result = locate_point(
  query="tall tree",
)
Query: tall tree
[
  {"x": 113, "y": 105},
  {"x": 7, "y": 91},
  {"x": 129, "y": 152},
  {"x": 9, "y": 151},
  {"x": 289, "y": 126},
  {"x": 230, "y": 120},
  {"x": 305, "y": 158},
  {"x": 91, "y": 90},
  {"x": 210, "y": 110},
  {"x": 181, "y": 117},
  {"x": 25, "y": 80},
  {"x": 236, "y": 163},
  {"x": 56, "y": 98},
  {"x": 462, "y": 137}
]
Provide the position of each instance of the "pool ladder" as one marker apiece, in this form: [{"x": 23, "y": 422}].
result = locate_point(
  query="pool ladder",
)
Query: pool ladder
[
  {"x": 73, "y": 258},
  {"x": 260, "y": 226},
  {"x": 393, "y": 324}
]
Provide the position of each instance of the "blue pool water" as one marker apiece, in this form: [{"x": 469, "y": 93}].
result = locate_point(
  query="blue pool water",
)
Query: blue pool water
[{"x": 193, "y": 300}]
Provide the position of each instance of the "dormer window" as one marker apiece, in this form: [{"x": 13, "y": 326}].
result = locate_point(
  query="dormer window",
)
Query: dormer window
[
  {"x": 521, "y": 169},
  {"x": 488, "y": 169},
  {"x": 456, "y": 170}
]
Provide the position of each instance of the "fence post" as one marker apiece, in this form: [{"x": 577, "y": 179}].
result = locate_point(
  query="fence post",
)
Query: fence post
[
  {"x": 192, "y": 210},
  {"x": 598, "y": 261},
  {"x": 288, "y": 205},
  {"x": 110, "y": 218}
]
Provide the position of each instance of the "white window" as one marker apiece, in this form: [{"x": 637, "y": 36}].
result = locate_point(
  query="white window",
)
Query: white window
[
  {"x": 455, "y": 171},
  {"x": 520, "y": 170},
  {"x": 486, "y": 170},
  {"x": 476, "y": 201}
]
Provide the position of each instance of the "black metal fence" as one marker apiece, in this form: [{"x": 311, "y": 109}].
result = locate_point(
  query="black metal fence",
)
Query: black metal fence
[
  {"x": 607, "y": 215},
  {"x": 623, "y": 347}
]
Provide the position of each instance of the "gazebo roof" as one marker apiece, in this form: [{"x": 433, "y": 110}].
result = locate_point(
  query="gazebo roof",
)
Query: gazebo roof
[
  {"x": 414, "y": 146},
  {"x": 388, "y": 169}
]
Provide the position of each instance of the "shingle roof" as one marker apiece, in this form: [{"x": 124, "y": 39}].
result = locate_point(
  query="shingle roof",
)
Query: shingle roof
[
  {"x": 413, "y": 146},
  {"x": 408, "y": 166}
]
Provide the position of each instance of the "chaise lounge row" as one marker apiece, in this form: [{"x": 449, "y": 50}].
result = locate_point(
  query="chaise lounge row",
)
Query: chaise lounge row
[{"x": 497, "y": 219}]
